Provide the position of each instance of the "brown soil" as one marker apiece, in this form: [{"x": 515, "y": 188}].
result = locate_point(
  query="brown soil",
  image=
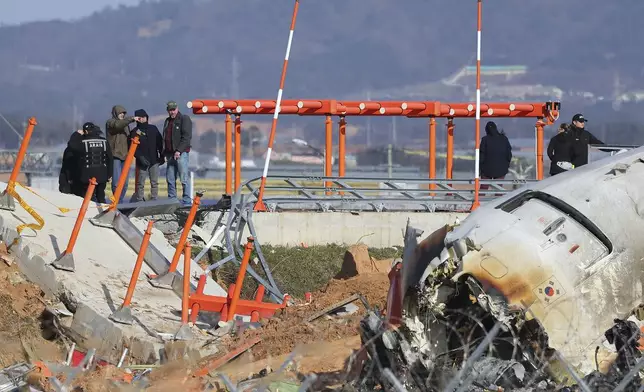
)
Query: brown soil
[
  {"x": 289, "y": 330},
  {"x": 98, "y": 380},
  {"x": 321, "y": 346},
  {"x": 21, "y": 305}
]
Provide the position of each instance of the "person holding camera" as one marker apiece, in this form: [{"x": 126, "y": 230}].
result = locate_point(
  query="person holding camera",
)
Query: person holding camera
[
  {"x": 148, "y": 155},
  {"x": 118, "y": 136}
]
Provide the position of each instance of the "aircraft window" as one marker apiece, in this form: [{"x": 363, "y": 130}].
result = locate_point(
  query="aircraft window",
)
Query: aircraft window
[{"x": 560, "y": 224}]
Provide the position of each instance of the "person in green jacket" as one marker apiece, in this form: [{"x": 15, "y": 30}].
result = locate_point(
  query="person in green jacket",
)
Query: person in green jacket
[{"x": 118, "y": 132}]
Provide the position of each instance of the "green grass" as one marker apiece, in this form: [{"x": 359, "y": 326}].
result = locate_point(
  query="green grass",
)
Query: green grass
[{"x": 296, "y": 270}]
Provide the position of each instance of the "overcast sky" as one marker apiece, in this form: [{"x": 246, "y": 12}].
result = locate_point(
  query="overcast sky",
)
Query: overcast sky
[{"x": 20, "y": 11}]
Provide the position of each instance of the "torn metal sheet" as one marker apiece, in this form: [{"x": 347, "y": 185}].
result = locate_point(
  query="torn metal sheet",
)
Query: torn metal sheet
[{"x": 557, "y": 263}]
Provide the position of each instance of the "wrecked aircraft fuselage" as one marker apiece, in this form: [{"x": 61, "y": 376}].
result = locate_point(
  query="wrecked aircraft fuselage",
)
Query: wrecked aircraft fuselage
[{"x": 553, "y": 263}]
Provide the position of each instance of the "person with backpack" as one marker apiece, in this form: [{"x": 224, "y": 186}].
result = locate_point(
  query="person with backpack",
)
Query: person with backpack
[
  {"x": 94, "y": 159},
  {"x": 495, "y": 154},
  {"x": 148, "y": 156}
]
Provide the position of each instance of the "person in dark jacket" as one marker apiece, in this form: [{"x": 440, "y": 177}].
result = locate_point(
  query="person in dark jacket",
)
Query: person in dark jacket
[
  {"x": 94, "y": 156},
  {"x": 68, "y": 172},
  {"x": 177, "y": 139},
  {"x": 148, "y": 156},
  {"x": 560, "y": 151},
  {"x": 495, "y": 154},
  {"x": 581, "y": 138},
  {"x": 118, "y": 133}
]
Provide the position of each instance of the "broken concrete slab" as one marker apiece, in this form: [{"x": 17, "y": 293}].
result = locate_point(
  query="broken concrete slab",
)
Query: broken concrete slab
[
  {"x": 6, "y": 201},
  {"x": 151, "y": 207},
  {"x": 103, "y": 268},
  {"x": 158, "y": 240}
]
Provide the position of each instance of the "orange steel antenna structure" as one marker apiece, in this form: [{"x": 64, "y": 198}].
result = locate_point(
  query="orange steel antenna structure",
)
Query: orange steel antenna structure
[
  {"x": 259, "y": 206},
  {"x": 477, "y": 184},
  {"x": 546, "y": 113},
  {"x": 238, "y": 123}
]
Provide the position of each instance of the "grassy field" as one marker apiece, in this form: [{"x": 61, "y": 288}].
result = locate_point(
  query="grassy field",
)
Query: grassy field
[{"x": 296, "y": 270}]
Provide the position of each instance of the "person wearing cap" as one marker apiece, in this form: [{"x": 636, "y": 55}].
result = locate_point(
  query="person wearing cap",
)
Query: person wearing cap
[
  {"x": 94, "y": 159},
  {"x": 177, "y": 139},
  {"x": 581, "y": 138},
  {"x": 118, "y": 133},
  {"x": 148, "y": 156}
]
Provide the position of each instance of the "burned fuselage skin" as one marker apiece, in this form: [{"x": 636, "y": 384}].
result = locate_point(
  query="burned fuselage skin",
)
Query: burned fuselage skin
[{"x": 566, "y": 251}]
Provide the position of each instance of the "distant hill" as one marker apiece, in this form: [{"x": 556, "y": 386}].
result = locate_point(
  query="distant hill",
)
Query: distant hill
[{"x": 183, "y": 49}]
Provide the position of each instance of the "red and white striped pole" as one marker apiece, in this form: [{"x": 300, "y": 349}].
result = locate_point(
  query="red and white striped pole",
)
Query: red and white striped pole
[
  {"x": 477, "y": 184},
  {"x": 259, "y": 205}
]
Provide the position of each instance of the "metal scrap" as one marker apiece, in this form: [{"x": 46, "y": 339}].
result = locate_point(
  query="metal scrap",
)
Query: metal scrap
[
  {"x": 13, "y": 377},
  {"x": 337, "y": 305}
]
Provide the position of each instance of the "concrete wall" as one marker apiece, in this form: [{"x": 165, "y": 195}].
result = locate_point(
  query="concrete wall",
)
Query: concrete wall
[{"x": 376, "y": 229}]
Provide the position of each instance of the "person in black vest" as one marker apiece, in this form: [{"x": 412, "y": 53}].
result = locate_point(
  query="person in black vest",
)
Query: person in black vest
[
  {"x": 560, "y": 151},
  {"x": 496, "y": 154},
  {"x": 94, "y": 159},
  {"x": 148, "y": 156}
]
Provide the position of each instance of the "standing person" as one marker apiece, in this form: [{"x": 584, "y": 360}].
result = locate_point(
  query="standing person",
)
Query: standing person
[
  {"x": 560, "y": 151},
  {"x": 496, "y": 154},
  {"x": 94, "y": 159},
  {"x": 68, "y": 177},
  {"x": 148, "y": 155},
  {"x": 581, "y": 138},
  {"x": 177, "y": 138},
  {"x": 118, "y": 133}
]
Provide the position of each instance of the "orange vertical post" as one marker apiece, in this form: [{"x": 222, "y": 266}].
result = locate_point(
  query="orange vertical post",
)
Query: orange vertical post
[
  {"x": 229, "y": 154},
  {"x": 238, "y": 149},
  {"x": 139, "y": 263},
  {"x": 432, "y": 152},
  {"x": 185, "y": 298},
  {"x": 21, "y": 153},
  {"x": 539, "y": 128},
  {"x": 342, "y": 147},
  {"x": 126, "y": 168},
  {"x": 240, "y": 279},
  {"x": 81, "y": 216},
  {"x": 328, "y": 151},
  {"x": 124, "y": 315},
  {"x": 184, "y": 233},
  {"x": 449, "y": 160}
]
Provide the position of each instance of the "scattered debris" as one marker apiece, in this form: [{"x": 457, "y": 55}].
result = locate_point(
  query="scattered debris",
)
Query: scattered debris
[{"x": 337, "y": 305}]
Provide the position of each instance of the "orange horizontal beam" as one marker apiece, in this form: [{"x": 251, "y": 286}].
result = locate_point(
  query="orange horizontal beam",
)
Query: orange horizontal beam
[{"x": 320, "y": 107}]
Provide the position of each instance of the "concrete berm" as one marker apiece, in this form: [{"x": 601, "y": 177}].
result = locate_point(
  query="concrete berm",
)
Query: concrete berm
[{"x": 103, "y": 267}]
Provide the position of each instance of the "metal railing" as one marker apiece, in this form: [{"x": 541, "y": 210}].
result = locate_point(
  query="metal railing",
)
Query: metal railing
[
  {"x": 284, "y": 193},
  {"x": 601, "y": 151},
  {"x": 41, "y": 163}
]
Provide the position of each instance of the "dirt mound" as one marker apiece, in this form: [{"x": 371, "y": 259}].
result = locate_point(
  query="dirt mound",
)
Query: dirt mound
[
  {"x": 357, "y": 261},
  {"x": 283, "y": 333},
  {"x": 21, "y": 306}
]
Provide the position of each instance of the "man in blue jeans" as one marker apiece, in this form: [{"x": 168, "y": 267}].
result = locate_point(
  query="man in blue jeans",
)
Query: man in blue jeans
[
  {"x": 118, "y": 133},
  {"x": 177, "y": 138}
]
